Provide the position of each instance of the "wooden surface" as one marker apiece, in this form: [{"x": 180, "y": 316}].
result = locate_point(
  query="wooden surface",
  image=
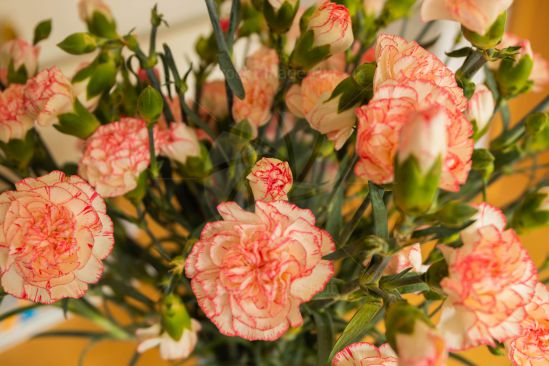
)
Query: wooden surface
[{"x": 527, "y": 20}]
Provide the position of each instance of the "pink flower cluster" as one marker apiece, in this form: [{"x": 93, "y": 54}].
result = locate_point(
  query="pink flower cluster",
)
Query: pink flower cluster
[
  {"x": 55, "y": 232},
  {"x": 399, "y": 92},
  {"x": 251, "y": 271},
  {"x": 39, "y": 101},
  {"x": 491, "y": 281}
]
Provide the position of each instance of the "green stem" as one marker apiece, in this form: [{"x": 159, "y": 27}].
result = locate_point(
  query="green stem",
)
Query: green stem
[
  {"x": 83, "y": 309},
  {"x": 462, "y": 359}
]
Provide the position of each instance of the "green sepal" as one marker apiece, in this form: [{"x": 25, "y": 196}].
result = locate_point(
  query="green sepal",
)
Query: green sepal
[
  {"x": 513, "y": 76},
  {"x": 454, "y": 214},
  {"x": 138, "y": 193},
  {"x": 175, "y": 318},
  {"x": 150, "y": 104},
  {"x": 483, "y": 162},
  {"x": 414, "y": 191},
  {"x": 305, "y": 55},
  {"x": 80, "y": 123},
  {"x": 102, "y": 79},
  {"x": 493, "y": 35},
  {"x": 280, "y": 20},
  {"x": 528, "y": 215},
  {"x": 18, "y": 76},
  {"x": 20, "y": 152}
]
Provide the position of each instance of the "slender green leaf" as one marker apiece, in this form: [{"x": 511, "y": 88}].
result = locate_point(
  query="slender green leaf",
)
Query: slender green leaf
[
  {"x": 359, "y": 325},
  {"x": 325, "y": 335},
  {"x": 42, "y": 31},
  {"x": 379, "y": 211}
]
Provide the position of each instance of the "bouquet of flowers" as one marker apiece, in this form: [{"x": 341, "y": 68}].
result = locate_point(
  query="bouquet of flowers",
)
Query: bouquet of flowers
[{"x": 324, "y": 203}]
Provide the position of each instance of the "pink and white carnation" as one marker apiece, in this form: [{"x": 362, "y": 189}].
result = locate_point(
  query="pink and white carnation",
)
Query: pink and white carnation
[
  {"x": 491, "y": 280},
  {"x": 260, "y": 88},
  {"x": 170, "y": 349},
  {"x": 399, "y": 60},
  {"x": 48, "y": 94},
  {"x": 251, "y": 271},
  {"x": 18, "y": 52},
  {"x": 476, "y": 15},
  {"x": 14, "y": 120},
  {"x": 423, "y": 347},
  {"x": 409, "y": 257},
  {"x": 365, "y": 354},
  {"x": 115, "y": 155},
  {"x": 312, "y": 100},
  {"x": 213, "y": 102},
  {"x": 480, "y": 107},
  {"x": 264, "y": 60},
  {"x": 179, "y": 142},
  {"x": 331, "y": 25},
  {"x": 55, "y": 233},
  {"x": 270, "y": 180},
  {"x": 531, "y": 348},
  {"x": 380, "y": 122}
]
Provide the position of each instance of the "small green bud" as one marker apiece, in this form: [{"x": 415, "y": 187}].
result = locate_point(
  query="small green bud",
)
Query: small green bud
[
  {"x": 131, "y": 42},
  {"x": 78, "y": 43},
  {"x": 81, "y": 123},
  {"x": 150, "y": 104},
  {"x": 280, "y": 18},
  {"x": 513, "y": 76},
  {"x": 493, "y": 35}
]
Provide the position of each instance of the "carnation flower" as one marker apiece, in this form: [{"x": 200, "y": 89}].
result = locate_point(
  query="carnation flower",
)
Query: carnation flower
[
  {"x": 380, "y": 122},
  {"x": 270, "y": 180},
  {"x": 115, "y": 155},
  {"x": 409, "y": 257},
  {"x": 423, "y": 347},
  {"x": 55, "y": 232},
  {"x": 531, "y": 348},
  {"x": 365, "y": 354},
  {"x": 491, "y": 280},
  {"x": 49, "y": 94},
  {"x": 260, "y": 88},
  {"x": 264, "y": 60},
  {"x": 312, "y": 100},
  {"x": 179, "y": 142},
  {"x": 170, "y": 349},
  {"x": 331, "y": 25},
  {"x": 20, "y": 53},
  {"x": 476, "y": 15},
  {"x": 14, "y": 121},
  {"x": 213, "y": 102},
  {"x": 251, "y": 271},
  {"x": 480, "y": 108},
  {"x": 399, "y": 60}
]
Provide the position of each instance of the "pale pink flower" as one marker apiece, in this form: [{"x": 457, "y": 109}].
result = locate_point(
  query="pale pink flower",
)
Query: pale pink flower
[
  {"x": 399, "y": 60},
  {"x": 331, "y": 25},
  {"x": 491, "y": 280},
  {"x": 170, "y": 349},
  {"x": 251, "y": 271},
  {"x": 264, "y": 60},
  {"x": 14, "y": 120},
  {"x": 382, "y": 119},
  {"x": 365, "y": 354},
  {"x": 178, "y": 142},
  {"x": 531, "y": 348},
  {"x": 476, "y": 15},
  {"x": 55, "y": 232},
  {"x": 424, "y": 137},
  {"x": 260, "y": 88},
  {"x": 312, "y": 100},
  {"x": 271, "y": 180},
  {"x": 49, "y": 94},
  {"x": 374, "y": 7},
  {"x": 423, "y": 347},
  {"x": 20, "y": 53},
  {"x": 480, "y": 108},
  {"x": 409, "y": 257},
  {"x": 115, "y": 155},
  {"x": 213, "y": 102},
  {"x": 540, "y": 73},
  {"x": 86, "y": 8}
]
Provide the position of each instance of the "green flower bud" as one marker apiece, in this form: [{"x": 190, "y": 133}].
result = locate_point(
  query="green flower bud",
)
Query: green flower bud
[
  {"x": 493, "y": 35},
  {"x": 280, "y": 16},
  {"x": 81, "y": 123},
  {"x": 206, "y": 48},
  {"x": 537, "y": 132},
  {"x": 78, "y": 43},
  {"x": 513, "y": 75},
  {"x": 20, "y": 152},
  {"x": 175, "y": 318},
  {"x": 150, "y": 104}
]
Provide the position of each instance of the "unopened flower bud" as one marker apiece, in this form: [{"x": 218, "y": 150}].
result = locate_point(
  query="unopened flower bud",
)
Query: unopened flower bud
[
  {"x": 513, "y": 74},
  {"x": 150, "y": 104},
  {"x": 537, "y": 132},
  {"x": 493, "y": 35},
  {"x": 480, "y": 110},
  {"x": 22, "y": 56},
  {"x": 98, "y": 17},
  {"x": 270, "y": 180},
  {"x": 418, "y": 163},
  {"x": 280, "y": 14},
  {"x": 328, "y": 31}
]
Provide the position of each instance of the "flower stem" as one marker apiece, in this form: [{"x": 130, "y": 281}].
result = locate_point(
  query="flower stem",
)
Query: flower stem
[{"x": 462, "y": 359}]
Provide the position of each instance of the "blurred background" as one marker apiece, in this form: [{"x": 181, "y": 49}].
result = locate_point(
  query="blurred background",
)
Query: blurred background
[{"x": 187, "y": 20}]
